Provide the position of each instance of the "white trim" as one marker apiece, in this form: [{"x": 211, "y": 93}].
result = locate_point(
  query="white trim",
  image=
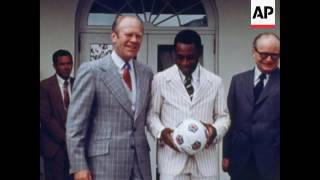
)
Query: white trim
[
  {"x": 82, "y": 27},
  {"x": 85, "y": 5}
]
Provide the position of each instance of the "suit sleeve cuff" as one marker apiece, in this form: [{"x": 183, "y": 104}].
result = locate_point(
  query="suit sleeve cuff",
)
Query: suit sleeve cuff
[
  {"x": 215, "y": 140},
  {"x": 159, "y": 133}
]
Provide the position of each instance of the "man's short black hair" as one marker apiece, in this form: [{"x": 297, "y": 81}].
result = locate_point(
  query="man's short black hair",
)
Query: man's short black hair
[
  {"x": 188, "y": 36},
  {"x": 58, "y": 53}
]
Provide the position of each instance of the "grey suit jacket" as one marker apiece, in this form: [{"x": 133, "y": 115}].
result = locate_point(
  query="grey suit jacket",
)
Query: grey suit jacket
[
  {"x": 255, "y": 127},
  {"x": 102, "y": 130}
]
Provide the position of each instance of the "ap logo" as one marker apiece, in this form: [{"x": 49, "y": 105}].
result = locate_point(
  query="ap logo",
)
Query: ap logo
[{"x": 263, "y": 14}]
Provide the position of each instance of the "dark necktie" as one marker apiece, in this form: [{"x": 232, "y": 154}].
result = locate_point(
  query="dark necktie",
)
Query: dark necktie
[
  {"x": 259, "y": 87},
  {"x": 188, "y": 85},
  {"x": 126, "y": 75},
  {"x": 66, "y": 98}
]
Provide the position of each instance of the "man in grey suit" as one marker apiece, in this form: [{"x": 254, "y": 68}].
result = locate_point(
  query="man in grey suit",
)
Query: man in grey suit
[
  {"x": 252, "y": 145},
  {"x": 106, "y": 137}
]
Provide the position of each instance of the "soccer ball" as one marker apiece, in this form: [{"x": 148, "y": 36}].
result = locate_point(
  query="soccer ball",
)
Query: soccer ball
[{"x": 190, "y": 136}]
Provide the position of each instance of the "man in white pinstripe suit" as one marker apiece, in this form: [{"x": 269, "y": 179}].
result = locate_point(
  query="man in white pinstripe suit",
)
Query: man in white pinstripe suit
[{"x": 172, "y": 101}]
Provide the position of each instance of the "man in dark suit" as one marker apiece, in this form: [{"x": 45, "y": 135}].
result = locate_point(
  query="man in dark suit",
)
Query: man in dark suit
[
  {"x": 251, "y": 149},
  {"x": 107, "y": 116},
  {"x": 54, "y": 100}
]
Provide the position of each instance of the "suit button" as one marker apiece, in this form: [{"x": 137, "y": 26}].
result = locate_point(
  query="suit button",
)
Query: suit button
[
  {"x": 132, "y": 146},
  {"x": 134, "y": 129}
]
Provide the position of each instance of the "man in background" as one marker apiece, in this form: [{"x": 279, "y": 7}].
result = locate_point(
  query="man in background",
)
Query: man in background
[{"x": 54, "y": 101}]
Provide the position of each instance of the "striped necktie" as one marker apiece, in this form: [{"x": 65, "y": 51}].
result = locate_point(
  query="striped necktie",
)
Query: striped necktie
[
  {"x": 66, "y": 98},
  {"x": 259, "y": 87},
  {"x": 126, "y": 75},
  {"x": 188, "y": 85}
]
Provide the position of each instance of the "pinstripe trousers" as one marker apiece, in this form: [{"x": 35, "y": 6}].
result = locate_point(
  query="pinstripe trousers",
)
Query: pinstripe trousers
[{"x": 190, "y": 172}]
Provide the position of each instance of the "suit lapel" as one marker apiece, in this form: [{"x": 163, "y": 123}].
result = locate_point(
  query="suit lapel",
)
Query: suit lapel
[
  {"x": 176, "y": 83},
  {"x": 112, "y": 80},
  {"x": 271, "y": 84},
  {"x": 71, "y": 83},
  {"x": 247, "y": 88},
  {"x": 141, "y": 89},
  {"x": 203, "y": 86},
  {"x": 57, "y": 97}
]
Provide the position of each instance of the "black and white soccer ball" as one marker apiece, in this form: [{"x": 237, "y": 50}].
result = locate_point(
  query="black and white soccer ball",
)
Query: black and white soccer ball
[{"x": 190, "y": 136}]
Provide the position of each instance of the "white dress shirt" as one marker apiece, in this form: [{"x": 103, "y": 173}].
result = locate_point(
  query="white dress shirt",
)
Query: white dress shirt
[
  {"x": 120, "y": 63},
  {"x": 195, "y": 81},
  {"x": 60, "y": 82},
  {"x": 256, "y": 79}
]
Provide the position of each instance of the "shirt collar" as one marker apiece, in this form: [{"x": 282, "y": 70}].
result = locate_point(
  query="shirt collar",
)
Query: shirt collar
[
  {"x": 119, "y": 61},
  {"x": 61, "y": 80},
  {"x": 257, "y": 73},
  {"x": 195, "y": 74}
]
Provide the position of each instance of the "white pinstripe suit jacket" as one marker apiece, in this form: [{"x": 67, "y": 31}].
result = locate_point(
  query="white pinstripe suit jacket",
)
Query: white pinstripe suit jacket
[{"x": 170, "y": 104}]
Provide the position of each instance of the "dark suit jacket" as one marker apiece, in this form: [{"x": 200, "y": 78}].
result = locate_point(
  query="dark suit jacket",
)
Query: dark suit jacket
[
  {"x": 255, "y": 127},
  {"x": 52, "y": 117}
]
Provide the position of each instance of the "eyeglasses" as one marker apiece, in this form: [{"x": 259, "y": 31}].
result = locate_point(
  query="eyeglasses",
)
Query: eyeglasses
[{"x": 264, "y": 55}]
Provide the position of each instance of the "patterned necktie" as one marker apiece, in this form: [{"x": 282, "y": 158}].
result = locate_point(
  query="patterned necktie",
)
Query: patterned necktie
[
  {"x": 126, "y": 75},
  {"x": 189, "y": 87},
  {"x": 259, "y": 87},
  {"x": 66, "y": 98}
]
